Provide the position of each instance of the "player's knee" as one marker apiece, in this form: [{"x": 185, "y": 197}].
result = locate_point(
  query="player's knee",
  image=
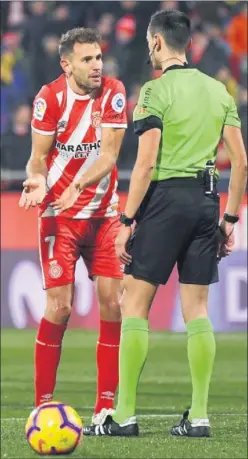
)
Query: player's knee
[
  {"x": 110, "y": 308},
  {"x": 59, "y": 305}
]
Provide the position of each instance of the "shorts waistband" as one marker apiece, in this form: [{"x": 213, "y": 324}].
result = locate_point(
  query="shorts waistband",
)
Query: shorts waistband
[{"x": 181, "y": 182}]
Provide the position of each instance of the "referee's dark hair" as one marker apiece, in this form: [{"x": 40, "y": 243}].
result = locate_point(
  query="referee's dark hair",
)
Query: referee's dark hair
[{"x": 174, "y": 26}]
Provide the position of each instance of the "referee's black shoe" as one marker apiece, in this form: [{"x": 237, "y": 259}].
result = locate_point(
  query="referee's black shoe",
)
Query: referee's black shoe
[
  {"x": 196, "y": 428},
  {"x": 110, "y": 428}
]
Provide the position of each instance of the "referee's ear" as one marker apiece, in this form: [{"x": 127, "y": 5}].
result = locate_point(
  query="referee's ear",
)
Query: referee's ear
[{"x": 189, "y": 45}]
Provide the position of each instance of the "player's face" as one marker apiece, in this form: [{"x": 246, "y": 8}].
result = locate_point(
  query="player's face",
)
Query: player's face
[
  {"x": 86, "y": 65},
  {"x": 152, "y": 43}
]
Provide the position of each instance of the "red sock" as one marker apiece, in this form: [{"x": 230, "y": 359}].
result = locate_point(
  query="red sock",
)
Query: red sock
[
  {"x": 47, "y": 357},
  {"x": 107, "y": 358}
]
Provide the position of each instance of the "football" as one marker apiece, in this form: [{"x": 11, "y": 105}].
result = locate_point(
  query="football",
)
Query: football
[{"x": 54, "y": 428}]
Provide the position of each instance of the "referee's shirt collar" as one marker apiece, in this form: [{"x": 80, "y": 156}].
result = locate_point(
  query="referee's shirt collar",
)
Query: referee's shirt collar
[{"x": 177, "y": 67}]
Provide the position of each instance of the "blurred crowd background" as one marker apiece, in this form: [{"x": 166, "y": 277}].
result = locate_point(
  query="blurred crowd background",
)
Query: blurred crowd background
[{"x": 29, "y": 59}]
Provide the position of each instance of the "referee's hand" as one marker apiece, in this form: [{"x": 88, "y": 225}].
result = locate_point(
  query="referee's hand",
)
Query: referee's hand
[
  {"x": 121, "y": 244},
  {"x": 226, "y": 243}
]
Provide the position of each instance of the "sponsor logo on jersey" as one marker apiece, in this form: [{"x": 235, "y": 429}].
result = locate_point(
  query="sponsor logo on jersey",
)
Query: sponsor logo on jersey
[
  {"x": 55, "y": 270},
  {"x": 96, "y": 119},
  {"x": 118, "y": 102},
  {"x": 40, "y": 107},
  {"x": 80, "y": 151}
]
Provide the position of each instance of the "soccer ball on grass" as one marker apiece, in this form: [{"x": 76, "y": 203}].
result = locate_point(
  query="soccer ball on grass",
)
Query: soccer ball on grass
[{"x": 54, "y": 428}]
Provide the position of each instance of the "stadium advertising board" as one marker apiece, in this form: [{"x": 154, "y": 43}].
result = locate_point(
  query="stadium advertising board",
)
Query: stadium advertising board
[{"x": 23, "y": 300}]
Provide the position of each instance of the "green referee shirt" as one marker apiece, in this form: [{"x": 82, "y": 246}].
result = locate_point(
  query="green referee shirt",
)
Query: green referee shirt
[{"x": 191, "y": 110}]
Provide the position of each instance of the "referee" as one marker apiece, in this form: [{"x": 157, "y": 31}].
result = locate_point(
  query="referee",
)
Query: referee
[{"x": 180, "y": 119}]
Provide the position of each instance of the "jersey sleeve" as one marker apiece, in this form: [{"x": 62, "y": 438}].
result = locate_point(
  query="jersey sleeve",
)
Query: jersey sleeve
[
  {"x": 45, "y": 112},
  {"x": 148, "y": 113},
  {"x": 232, "y": 117},
  {"x": 115, "y": 114}
]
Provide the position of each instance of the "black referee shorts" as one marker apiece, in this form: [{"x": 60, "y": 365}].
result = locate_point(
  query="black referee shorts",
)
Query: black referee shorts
[{"x": 176, "y": 223}]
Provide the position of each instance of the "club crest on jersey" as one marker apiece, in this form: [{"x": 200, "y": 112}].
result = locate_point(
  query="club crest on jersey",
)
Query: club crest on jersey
[
  {"x": 55, "y": 270},
  {"x": 118, "y": 102},
  {"x": 96, "y": 119},
  {"x": 40, "y": 107}
]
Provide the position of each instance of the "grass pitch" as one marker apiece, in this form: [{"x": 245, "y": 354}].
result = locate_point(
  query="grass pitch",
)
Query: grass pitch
[{"x": 164, "y": 392}]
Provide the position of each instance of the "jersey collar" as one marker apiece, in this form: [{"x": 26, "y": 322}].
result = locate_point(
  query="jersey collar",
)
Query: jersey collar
[
  {"x": 177, "y": 67},
  {"x": 76, "y": 96}
]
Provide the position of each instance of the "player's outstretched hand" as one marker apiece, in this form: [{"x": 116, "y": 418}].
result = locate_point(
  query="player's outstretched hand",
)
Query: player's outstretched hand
[
  {"x": 68, "y": 197},
  {"x": 121, "y": 243},
  {"x": 33, "y": 193},
  {"x": 227, "y": 240}
]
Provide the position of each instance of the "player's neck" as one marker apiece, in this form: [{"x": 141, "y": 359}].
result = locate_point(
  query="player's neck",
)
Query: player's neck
[
  {"x": 173, "y": 60},
  {"x": 75, "y": 88}
]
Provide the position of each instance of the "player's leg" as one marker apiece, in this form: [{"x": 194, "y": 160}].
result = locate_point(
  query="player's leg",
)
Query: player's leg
[
  {"x": 198, "y": 269},
  {"x": 135, "y": 304},
  {"x": 58, "y": 276},
  {"x": 103, "y": 265},
  {"x": 49, "y": 341},
  {"x": 107, "y": 349}
]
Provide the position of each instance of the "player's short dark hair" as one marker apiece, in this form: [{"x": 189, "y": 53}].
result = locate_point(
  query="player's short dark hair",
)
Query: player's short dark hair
[
  {"x": 174, "y": 26},
  {"x": 77, "y": 35}
]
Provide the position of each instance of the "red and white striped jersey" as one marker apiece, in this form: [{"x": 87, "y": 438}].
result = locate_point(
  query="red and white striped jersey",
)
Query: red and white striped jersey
[{"x": 77, "y": 122}]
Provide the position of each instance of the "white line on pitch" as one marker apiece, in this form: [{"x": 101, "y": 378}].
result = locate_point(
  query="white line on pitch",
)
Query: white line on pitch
[{"x": 162, "y": 416}]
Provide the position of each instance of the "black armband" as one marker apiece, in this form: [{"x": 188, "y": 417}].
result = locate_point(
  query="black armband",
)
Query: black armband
[{"x": 151, "y": 122}]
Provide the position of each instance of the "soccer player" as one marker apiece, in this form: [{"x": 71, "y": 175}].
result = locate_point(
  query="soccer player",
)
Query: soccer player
[
  {"x": 78, "y": 125},
  {"x": 180, "y": 118}
]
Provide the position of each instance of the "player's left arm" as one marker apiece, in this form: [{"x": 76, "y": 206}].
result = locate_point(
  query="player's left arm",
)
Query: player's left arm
[
  {"x": 113, "y": 125},
  {"x": 110, "y": 147},
  {"x": 111, "y": 141}
]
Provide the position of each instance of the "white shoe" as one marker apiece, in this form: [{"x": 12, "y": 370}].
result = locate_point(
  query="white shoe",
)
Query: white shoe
[{"x": 99, "y": 418}]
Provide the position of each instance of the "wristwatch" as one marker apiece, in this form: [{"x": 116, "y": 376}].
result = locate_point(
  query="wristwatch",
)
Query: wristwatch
[
  {"x": 125, "y": 220},
  {"x": 230, "y": 218}
]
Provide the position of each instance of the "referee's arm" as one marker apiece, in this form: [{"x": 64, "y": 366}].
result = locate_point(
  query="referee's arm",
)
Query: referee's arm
[
  {"x": 238, "y": 158},
  {"x": 143, "y": 169},
  {"x": 148, "y": 125}
]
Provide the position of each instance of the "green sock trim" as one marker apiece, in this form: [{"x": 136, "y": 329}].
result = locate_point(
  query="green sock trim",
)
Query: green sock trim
[
  {"x": 134, "y": 323},
  {"x": 201, "y": 325}
]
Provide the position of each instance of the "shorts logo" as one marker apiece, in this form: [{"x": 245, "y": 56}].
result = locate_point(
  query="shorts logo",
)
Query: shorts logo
[
  {"x": 96, "y": 119},
  {"x": 118, "y": 102},
  {"x": 40, "y": 107},
  {"x": 55, "y": 270}
]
